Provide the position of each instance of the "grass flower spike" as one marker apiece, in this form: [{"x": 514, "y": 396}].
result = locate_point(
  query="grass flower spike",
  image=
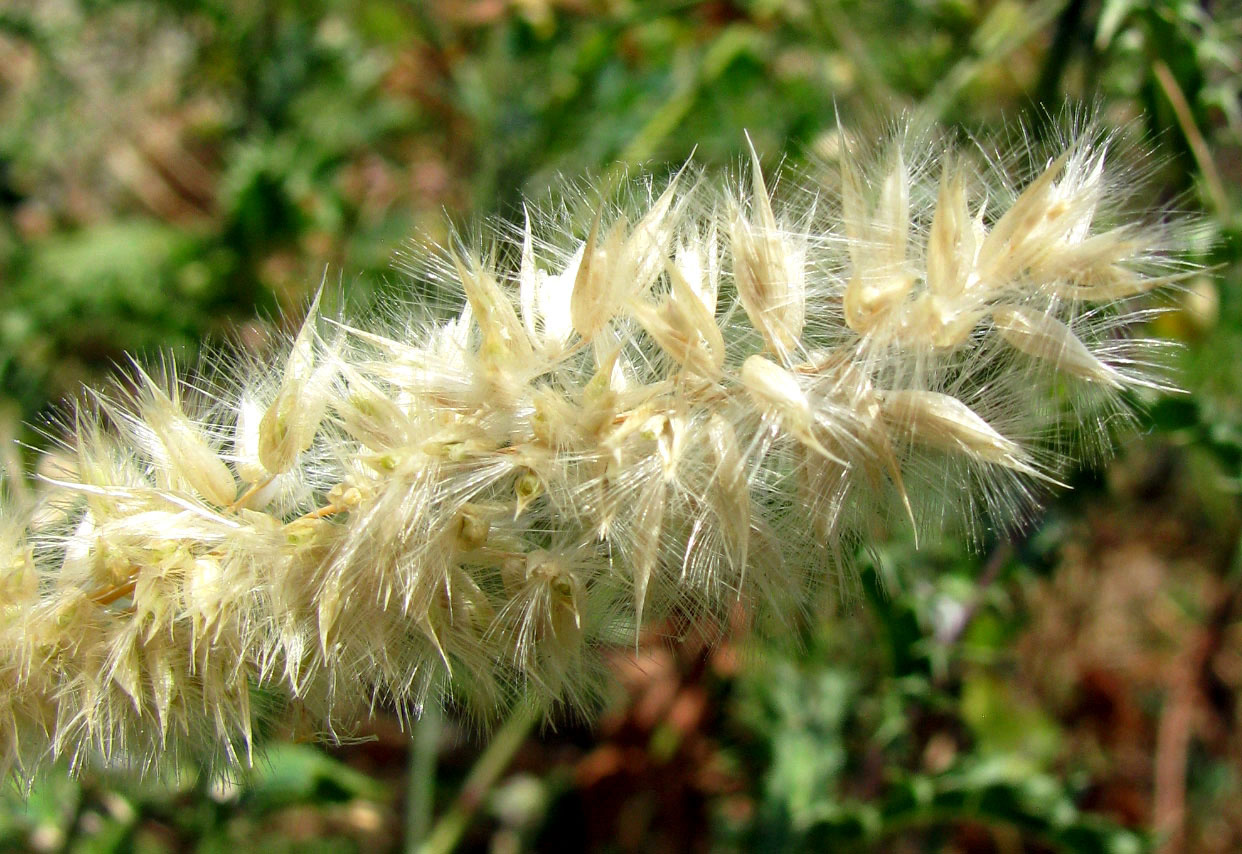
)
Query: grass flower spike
[{"x": 685, "y": 405}]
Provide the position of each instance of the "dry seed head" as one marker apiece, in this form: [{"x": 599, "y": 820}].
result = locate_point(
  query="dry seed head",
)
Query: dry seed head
[
  {"x": 545, "y": 298},
  {"x": 730, "y": 494},
  {"x": 683, "y": 325},
  {"x": 769, "y": 271},
  {"x": 503, "y": 334},
  {"x": 877, "y": 241},
  {"x": 641, "y": 427},
  {"x": 289, "y": 424},
  {"x": 187, "y": 451},
  {"x": 621, "y": 266},
  {"x": 951, "y": 241},
  {"x": 945, "y": 422},
  {"x": 776, "y": 390},
  {"x": 1045, "y": 337}
]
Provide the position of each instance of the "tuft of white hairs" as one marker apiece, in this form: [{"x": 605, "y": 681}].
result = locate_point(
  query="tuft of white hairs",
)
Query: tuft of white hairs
[{"x": 693, "y": 404}]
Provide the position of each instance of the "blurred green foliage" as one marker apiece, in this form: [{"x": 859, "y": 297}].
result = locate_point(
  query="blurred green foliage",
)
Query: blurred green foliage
[
  {"x": 173, "y": 172},
  {"x": 118, "y": 814},
  {"x": 912, "y": 730}
]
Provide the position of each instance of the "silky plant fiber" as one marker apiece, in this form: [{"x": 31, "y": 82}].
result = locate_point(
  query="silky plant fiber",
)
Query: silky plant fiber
[{"x": 687, "y": 402}]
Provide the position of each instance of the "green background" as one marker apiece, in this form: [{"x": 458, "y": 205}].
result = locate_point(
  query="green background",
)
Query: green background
[{"x": 173, "y": 173}]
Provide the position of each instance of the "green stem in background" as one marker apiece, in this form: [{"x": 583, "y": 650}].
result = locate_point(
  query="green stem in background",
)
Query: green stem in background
[
  {"x": 1004, "y": 30},
  {"x": 505, "y": 742},
  {"x": 1194, "y": 137},
  {"x": 835, "y": 24},
  {"x": 1048, "y": 89},
  {"x": 691, "y": 77},
  {"x": 421, "y": 782}
]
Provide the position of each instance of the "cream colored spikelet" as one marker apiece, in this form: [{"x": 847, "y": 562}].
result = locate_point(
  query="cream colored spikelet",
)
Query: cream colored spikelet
[{"x": 692, "y": 405}]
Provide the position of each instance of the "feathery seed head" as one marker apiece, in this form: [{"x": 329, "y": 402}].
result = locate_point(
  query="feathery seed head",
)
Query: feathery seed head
[{"x": 635, "y": 426}]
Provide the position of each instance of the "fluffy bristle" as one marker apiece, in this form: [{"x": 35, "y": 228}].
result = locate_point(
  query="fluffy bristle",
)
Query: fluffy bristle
[{"x": 694, "y": 404}]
